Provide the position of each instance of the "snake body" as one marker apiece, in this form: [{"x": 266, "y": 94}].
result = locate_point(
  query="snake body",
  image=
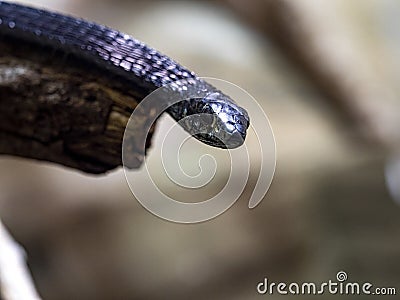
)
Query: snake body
[{"x": 143, "y": 66}]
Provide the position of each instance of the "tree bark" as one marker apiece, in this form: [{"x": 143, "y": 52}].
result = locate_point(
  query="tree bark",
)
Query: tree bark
[{"x": 63, "y": 110}]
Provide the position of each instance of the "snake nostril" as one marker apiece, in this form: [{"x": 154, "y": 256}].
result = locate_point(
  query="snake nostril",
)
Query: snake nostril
[{"x": 241, "y": 120}]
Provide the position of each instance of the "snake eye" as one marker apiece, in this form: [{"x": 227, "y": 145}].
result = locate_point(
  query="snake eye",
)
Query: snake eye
[{"x": 230, "y": 126}]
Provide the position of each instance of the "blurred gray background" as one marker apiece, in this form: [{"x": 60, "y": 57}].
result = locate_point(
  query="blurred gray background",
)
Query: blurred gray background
[{"x": 328, "y": 209}]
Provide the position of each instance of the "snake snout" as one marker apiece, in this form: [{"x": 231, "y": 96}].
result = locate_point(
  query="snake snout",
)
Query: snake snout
[{"x": 230, "y": 122}]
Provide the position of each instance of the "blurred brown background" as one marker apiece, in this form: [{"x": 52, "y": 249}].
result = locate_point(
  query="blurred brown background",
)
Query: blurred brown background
[{"x": 329, "y": 207}]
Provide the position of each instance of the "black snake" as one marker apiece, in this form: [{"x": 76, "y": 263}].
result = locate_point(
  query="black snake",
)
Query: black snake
[{"x": 136, "y": 62}]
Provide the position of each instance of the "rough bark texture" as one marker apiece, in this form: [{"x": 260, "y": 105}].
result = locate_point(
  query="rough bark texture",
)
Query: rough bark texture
[{"x": 64, "y": 112}]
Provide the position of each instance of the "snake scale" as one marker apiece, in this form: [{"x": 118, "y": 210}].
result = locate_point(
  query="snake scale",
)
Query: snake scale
[{"x": 120, "y": 54}]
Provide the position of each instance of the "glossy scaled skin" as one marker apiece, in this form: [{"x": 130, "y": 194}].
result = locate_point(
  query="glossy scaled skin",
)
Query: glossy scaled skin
[{"x": 134, "y": 61}]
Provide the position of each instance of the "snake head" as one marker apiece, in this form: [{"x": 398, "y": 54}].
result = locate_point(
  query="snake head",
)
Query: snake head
[{"x": 218, "y": 121}]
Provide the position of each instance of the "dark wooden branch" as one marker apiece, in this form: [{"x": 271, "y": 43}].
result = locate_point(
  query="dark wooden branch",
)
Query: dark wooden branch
[{"x": 63, "y": 112}]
